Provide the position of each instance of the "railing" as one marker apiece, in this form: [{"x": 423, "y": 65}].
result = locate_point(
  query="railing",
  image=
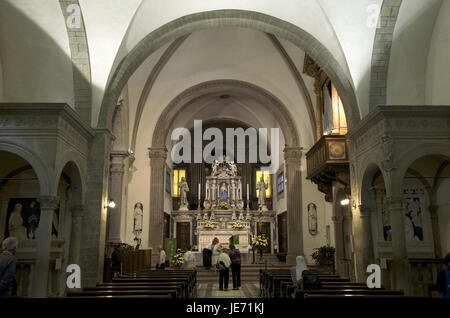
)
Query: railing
[
  {"x": 423, "y": 275},
  {"x": 329, "y": 151}
]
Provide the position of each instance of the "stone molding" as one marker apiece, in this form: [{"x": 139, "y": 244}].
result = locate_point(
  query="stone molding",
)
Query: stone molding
[
  {"x": 48, "y": 202},
  {"x": 157, "y": 153},
  {"x": 188, "y": 96}
]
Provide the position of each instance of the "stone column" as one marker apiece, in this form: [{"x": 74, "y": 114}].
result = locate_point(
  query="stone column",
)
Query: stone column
[
  {"x": 394, "y": 206},
  {"x": 436, "y": 234},
  {"x": 339, "y": 242},
  {"x": 115, "y": 192},
  {"x": 48, "y": 205},
  {"x": 158, "y": 157},
  {"x": 366, "y": 243},
  {"x": 292, "y": 156},
  {"x": 75, "y": 239},
  {"x": 94, "y": 220}
]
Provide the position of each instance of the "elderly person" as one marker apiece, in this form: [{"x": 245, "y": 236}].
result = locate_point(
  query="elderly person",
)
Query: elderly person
[
  {"x": 223, "y": 264},
  {"x": 162, "y": 259},
  {"x": 189, "y": 259},
  {"x": 8, "y": 268}
]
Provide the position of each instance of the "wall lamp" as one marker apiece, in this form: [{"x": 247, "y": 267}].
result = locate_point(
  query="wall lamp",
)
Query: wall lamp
[{"x": 111, "y": 204}]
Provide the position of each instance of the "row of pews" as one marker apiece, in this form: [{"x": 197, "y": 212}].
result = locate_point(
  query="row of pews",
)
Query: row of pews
[
  {"x": 277, "y": 283},
  {"x": 145, "y": 284}
]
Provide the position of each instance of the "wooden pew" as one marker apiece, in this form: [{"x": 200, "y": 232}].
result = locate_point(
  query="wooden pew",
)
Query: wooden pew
[{"x": 113, "y": 293}]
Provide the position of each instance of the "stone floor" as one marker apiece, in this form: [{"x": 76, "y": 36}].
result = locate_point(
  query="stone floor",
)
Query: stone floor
[{"x": 211, "y": 290}]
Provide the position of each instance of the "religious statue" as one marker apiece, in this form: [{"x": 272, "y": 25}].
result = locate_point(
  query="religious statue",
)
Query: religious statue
[
  {"x": 138, "y": 218},
  {"x": 312, "y": 218},
  {"x": 223, "y": 193},
  {"x": 262, "y": 186},
  {"x": 184, "y": 189},
  {"x": 15, "y": 224}
]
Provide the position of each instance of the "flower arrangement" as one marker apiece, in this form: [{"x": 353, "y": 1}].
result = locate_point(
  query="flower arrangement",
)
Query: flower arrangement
[
  {"x": 260, "y": 241},
  {"x": 209, "y": 226},
  {"x": 177, "y": 259},
  {"x": 237, "y": 225},
  {"x": 223, "y": 205}
]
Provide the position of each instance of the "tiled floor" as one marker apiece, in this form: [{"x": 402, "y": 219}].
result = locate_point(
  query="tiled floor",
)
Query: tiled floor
[{"x": 211, "y": 290}]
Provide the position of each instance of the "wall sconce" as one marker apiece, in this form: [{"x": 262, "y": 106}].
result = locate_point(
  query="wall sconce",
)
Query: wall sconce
[
  {"x": 111, "y": 204},
  {"x": 345, "y": 201}
]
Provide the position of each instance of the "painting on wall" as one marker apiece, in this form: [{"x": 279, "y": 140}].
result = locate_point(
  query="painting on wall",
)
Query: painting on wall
[
  {"x": 312, "y": 218},
  {"x": 22, "y": 219},
  {"x": 413, "y": 219}
]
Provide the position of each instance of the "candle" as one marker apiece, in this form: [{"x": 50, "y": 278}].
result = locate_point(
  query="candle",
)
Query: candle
[
  {"x": 248, "y": 193},
  {"x": 199, "y": 189}
]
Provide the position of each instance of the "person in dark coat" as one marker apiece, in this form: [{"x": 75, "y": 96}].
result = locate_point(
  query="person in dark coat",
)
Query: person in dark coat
[
  {"x": 235, "y": 256},
  {"x": 8, "y": 263},
  {"x": 443, "y": 278},
  {"x": 116, "y": 260}
]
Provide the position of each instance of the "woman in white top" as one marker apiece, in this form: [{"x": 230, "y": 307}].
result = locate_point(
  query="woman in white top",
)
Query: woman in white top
[{"x": 189, "y": 259}]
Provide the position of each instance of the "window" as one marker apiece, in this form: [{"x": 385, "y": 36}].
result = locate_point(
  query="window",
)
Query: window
[
  {"x": 280, "y": 182},
  {"x": 267, "y": 180},
  {"x": 177, "y": 175}
]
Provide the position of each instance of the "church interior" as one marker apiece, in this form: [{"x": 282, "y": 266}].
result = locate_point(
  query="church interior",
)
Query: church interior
[{"x": 346, "y": 101}]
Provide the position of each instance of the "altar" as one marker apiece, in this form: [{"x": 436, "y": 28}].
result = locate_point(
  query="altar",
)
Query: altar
[{"x": 224, "y": 213}]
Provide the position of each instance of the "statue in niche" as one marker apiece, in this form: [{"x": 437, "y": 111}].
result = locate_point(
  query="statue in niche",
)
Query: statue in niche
[
  {"x": 15, "y": 225},
  {"x": 312, "y": 218},
  {"x": 262, "y": 186},
  {"x": 184, "y": 189},
  {"x": 223, "y": 192},
  {"x": 138, "y": 218}
]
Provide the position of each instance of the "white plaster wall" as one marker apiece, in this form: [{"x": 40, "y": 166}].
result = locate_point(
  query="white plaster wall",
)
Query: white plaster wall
[
  {"x": 230, "y": 53},
  {"x": 355, "y": 36},
  {"x": 106, "y": 22},
  {"x": 324, "y": 213},
  {"x": 438, "y": 70},
  {"x": 35, "y": 52},
  {"x": 443, "y": 202},
  {"x": 409, "y": 53}
]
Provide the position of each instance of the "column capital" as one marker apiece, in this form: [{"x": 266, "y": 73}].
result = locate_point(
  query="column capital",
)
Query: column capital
[
  {"x": 394, "y": 202},
  {"x": 364, "y": 211},
  {"x": 77, "y": 210},
  {"x": 48, "y": 202},
  {"x": 293, "y": 153},
  {"x": 157, "y": 153},
  {"x": 116, "y": 169}
]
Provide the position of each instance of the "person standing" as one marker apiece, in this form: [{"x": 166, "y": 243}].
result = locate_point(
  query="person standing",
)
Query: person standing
[
  {"x": 116, "y": 260},
  {"x": 162, "y": 259},
  {"x": 189, "y": 259},
  {"x": 235, "y": 257},
  {"x": 8, "y": 262},
  {"x": 215, "y": 252},
  {"x": 443, "y": 278},
  {"x": 223, "y": 264}
]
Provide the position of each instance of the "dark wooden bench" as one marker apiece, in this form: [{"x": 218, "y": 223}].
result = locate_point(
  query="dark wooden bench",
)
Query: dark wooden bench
[
  {"x": 181, "y": 288},
  {"x": 132, "y": 293}
]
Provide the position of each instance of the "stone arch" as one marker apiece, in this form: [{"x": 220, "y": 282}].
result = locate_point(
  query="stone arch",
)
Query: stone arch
[
  {"x": 419, "y": 151},
  {"x": 272, "y": 104},
  {"x": 381, "y": 52},
  {"x": 35, "y": 162},
  {"x": 222, "y": 18},
  {"x": 71, "y": 157}
]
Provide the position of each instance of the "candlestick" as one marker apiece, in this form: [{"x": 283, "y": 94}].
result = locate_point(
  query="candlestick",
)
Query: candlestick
[
  {"x": 199, "y": 189},
  {"x": 248, "y": 193}
]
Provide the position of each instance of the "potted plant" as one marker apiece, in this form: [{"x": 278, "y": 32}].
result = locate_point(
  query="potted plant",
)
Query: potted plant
[{"x": 324, "y": 256}]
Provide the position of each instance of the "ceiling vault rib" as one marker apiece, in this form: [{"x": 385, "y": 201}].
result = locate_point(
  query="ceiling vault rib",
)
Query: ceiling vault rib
[
  {"x": 157, "y": 69},
  {"x": 298, "y": 79}
]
